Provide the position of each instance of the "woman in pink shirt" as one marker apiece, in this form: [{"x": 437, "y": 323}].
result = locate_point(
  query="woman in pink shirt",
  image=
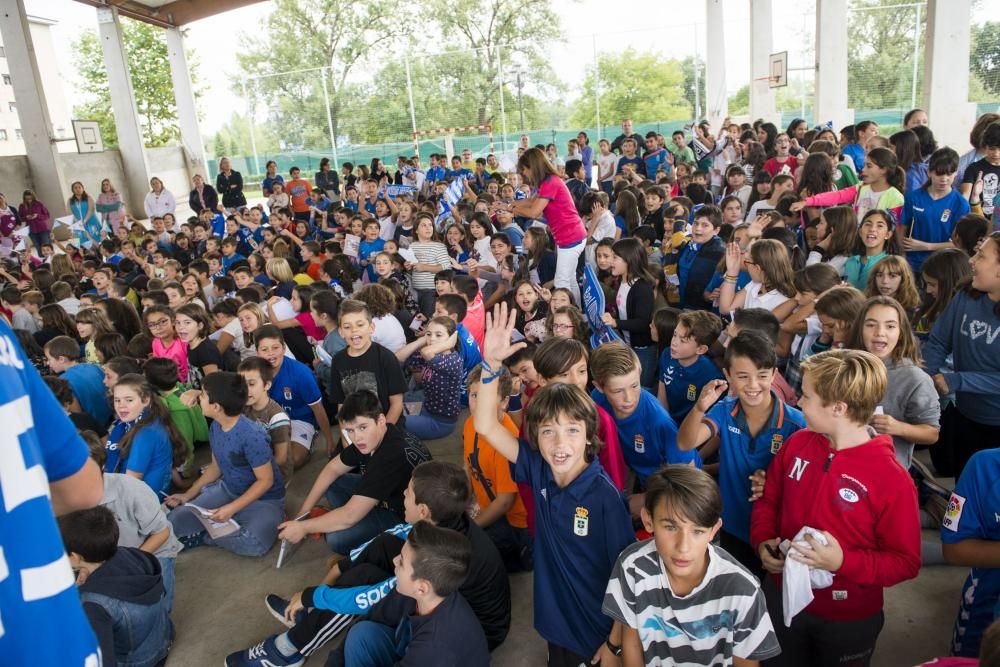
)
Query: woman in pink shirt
[{"x": 553, "y": 201}]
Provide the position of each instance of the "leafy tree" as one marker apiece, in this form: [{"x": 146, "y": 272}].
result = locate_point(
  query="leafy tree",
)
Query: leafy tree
[
  {"x": 302, "y": 35},
  {"x": 739, "y": 102},
  {"x": 233, "y": 138},
  {"x": 880, "y": 61},
  {"x": 149, "y": 69},
  {"x": 985, "y": 55},
  {"x": 645, "y": 87}
]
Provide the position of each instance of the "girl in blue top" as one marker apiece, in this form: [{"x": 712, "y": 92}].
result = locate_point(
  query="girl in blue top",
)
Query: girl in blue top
[
  {"x": 930, "y": 212},
  {"x": 143, "y": 442},
  {"x": 876, "y": 239},
  {"x": 83, "y": 207}
]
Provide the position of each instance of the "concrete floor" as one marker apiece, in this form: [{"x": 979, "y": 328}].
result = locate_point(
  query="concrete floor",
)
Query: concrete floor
[{"x": 219, "y": 605}]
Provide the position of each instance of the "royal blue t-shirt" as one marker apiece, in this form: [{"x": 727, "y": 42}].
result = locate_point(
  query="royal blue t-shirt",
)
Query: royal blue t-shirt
[
  {"x": 37, "y": 585},
  {"x": 229, "y": 261},
  {"x": 974, "y": 514},
  {"x": 654, "y": 160},
  {"x": 218, "y": 225},
  {"x": 637, "y": 162},
  {"x": 648, "y": 436},
  {"x": 241, "y": 449},
  {"x": 683, "y": 385},
  {"x": 930, "y": 220},
  {"x": 150, "y": 454},
  {"x": 87, "y": 382},
  {"x": 368, "y": 250},
  {"x": 294, "y": 388},
  {"x": 740, "y": 454},
  {"x": 579, "y": 531}
]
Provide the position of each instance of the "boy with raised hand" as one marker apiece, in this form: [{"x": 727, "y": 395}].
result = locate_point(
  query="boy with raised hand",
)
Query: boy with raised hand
[
  {"x": 684, "y": 366},
  {"x": 121, "y": 589},
  {"x": 581, "y": 521},
  {"x": 438, "y": 493},
  {"x": 698, "y": 258},
  {"x": 265, "y": 411},
  {"x": 425, "y": 621},
  {"x": 646, "y": 431},
  {"x": 363, "y": 503},
  {"x": 752, "y": 424},
  {"x": 679, "y": 599}
]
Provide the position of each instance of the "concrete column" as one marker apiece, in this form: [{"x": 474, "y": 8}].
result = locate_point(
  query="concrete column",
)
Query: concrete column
[
  {"x": 130, "y": 141},
  {"x": 187, "y": 114},
  {"x": 761, "y": 95},
  {"x": 47, "y": 177},
  {"x": 717, "y": 103},
  {"x": 946, "y": 65},
  {"x": 831, "y": 64}
]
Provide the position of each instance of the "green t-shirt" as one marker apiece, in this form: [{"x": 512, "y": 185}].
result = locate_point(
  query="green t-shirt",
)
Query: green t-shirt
[{"x": 844, "y": 177}]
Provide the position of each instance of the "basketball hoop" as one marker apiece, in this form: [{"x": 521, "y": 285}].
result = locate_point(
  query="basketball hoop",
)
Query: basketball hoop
[{"x": 777, "y": 65}]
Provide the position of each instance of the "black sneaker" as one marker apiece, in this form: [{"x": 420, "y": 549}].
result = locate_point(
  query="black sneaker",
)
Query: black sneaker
[
  {"x": 277, "y": 606},
  {"x": 264, "y": 654}
]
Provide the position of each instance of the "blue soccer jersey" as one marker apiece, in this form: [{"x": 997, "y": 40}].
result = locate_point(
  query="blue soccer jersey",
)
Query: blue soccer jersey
[
  {"x": 740, "y": 454},
  {"x": 648, "y": 436},
  {"x": 41, "y": 619},
  {"x": 683, "y": 383},
  {"x": 974, "y": 514},
  {"x": 294, "y": 388}
]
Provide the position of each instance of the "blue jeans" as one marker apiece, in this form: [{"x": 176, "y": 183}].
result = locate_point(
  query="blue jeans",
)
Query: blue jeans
[
  {"x": 429, "y": 427},
  {"x": 38, "y": 238},
  {"x": 373, "y": 523},
  {"x": 258, "y": 521},
  {"x": 371, "y": 644},
  {"x": 649, "y": 360},
  {"x": 167, "y": 571}
]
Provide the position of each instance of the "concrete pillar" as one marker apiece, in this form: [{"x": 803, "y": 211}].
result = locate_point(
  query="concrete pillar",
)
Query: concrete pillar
[
  {"x": 47, "y": 177},
  {"x": 946, "y": 65},
  {"x": 130, "y": 141},
  {"x": 717, "y": 103},
  {"x": 761, "y": 95},
  {"x": 187, "y": 114},
  {"x": 831, "y": 64}
]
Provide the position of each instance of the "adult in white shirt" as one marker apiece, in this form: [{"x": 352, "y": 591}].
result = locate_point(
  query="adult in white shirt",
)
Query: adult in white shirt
[{"x": 159, "y": 201}]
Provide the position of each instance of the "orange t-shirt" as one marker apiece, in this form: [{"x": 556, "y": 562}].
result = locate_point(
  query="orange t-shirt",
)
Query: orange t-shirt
[
  {"x": 299, "y": 191},
  {"x": 489, "y": 469}
]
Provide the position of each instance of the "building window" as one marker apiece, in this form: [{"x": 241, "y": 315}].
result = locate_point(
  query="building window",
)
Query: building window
[
  {"x": 17, "y": 134},
  {"x": 3, "y": 135},
  {"x": 6, "y": 79}
]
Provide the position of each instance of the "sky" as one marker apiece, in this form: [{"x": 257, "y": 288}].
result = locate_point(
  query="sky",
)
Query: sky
[{"x": 674, "y": 29}]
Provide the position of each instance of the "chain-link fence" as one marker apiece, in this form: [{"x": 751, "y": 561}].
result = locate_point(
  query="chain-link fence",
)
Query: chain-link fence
[{"x": 484, "y": 100}]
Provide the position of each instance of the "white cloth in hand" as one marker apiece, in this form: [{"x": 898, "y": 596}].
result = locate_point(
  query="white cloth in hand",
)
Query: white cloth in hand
[{"x": 798, "y": 579}]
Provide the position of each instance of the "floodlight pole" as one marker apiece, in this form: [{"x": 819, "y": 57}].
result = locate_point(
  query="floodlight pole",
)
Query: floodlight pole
[
  {"x": 503, "y": 113},
  {"x": 253, "y": 137},
  {"x": 329, "y": 118},
  {"x": 409, "y": 91}
]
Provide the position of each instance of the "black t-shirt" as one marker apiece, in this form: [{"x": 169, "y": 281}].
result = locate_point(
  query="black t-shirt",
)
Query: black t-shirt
[
  {"x": 386, "y": 472},
  {"x": 991, "y": 182},
  {"x": 204, "y": 354},
  {"x": 377, "y": 370}
]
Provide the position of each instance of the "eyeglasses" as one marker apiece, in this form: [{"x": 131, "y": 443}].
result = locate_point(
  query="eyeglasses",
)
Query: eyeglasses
[
  {"x": 159, "y": 323},
  {"x": 561, "y": 327}
]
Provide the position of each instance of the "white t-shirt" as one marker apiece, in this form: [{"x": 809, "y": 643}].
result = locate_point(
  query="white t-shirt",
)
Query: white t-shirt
[
  {"x": 867, "y": 201},
  {"x": 605, "y": 228},
  {"x": 621, "y": 301},
  {"x": 769, "y": 300},
  {"x": 389, "y": 333},
  {"x": 607, "y": 164},
  {"x": 236, "y": 331},
  {"x": 387, "y": 228}
]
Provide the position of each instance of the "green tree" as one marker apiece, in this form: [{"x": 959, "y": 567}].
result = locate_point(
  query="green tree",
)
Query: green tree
[
  {"x": 739, "y": 102},
  {"x": 337, "y": 34},
  {"x": 687, "y": 67},
  {"x": 233, "y": 138},
  {"x": 149, "y": 69},
  {"x": 985, "y": 56},
  {"x": 880, "y": 61},
  {"x": 481, "y": 26},
  {"x": 645, "y": 87}
]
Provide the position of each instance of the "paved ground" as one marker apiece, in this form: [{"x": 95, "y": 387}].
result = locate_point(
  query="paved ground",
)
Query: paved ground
[{"x": 219, "y": 602}]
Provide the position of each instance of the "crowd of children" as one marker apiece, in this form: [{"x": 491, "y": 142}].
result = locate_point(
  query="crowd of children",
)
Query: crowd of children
[{"x": 718, "y": 468}]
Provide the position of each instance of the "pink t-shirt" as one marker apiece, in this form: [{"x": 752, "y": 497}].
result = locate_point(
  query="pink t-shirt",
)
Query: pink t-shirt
[
  {"x": 309, "y": 326},
  {"x": 475, "y": 320},
  {"x": 178, "y": 351},
  {"x": 564, "y": 222}
]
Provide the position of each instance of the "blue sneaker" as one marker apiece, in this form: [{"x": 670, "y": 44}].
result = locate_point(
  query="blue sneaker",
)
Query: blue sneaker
[
  {"x": 277, "y": 606},
  {"x": 264, "y": 654}
]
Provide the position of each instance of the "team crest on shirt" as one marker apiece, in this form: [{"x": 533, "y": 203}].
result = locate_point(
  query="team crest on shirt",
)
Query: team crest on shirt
[
  {"x": 953, "y": 515},
  {"x": 946, "y": 215},
  {"x": 639, "y": 444},
  {"x": 692, "y": 392},
  {"x": 776, "y": 441},
  {"x": 580, "y": 521},
  {"x": 288, "y": 393}
]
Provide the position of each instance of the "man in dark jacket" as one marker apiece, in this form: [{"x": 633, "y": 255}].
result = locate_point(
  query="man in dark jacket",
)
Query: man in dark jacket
[{"x": 627, "y": 133}]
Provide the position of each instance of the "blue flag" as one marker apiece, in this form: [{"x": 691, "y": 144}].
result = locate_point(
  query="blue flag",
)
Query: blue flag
[
  {"x": 451, "y": 196},
  {"x": 593, "y": 307}
]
